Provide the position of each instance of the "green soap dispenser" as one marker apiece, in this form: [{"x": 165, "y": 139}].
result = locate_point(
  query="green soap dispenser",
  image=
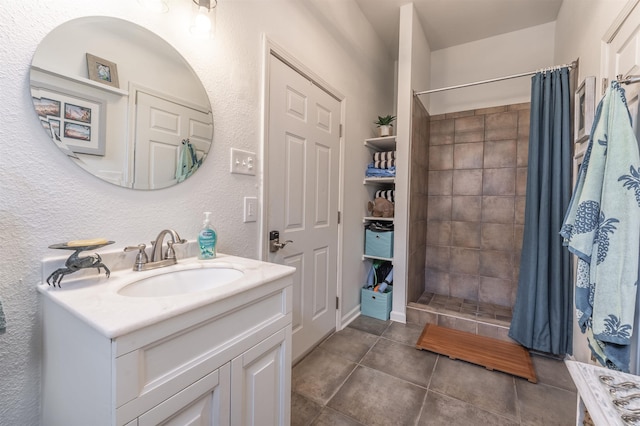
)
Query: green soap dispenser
[{"x": 207, "y": 239}]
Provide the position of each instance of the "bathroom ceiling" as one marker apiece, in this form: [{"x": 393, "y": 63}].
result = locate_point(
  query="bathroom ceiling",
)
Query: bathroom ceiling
[{"x": 448, "y": 23}]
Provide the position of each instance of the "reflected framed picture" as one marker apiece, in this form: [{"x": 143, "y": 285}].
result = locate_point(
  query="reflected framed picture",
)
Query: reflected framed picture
[
  {"x": 46, "y": 107},
  {"x": 55, "y": 128},
  {"x": 47, "y": 127},
  {"x": 584, "y": 109},
  {"x": 102, "y": 71},
  {"x": 77, "y": 113},
  {"x": 77, "y": 131},
  {"x": 77, "y": 122}
]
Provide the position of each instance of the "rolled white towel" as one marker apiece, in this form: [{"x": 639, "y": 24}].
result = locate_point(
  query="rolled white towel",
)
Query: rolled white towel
[
  {"x": 384, "y": 155},
  {"x": 389, "y": 194},
  {"x": 384, "y": 164}
]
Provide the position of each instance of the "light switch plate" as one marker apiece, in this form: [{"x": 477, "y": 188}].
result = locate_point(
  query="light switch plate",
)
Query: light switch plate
[
  {"x": 250, "y": 209},
  {"x": 243, "y": 162}
]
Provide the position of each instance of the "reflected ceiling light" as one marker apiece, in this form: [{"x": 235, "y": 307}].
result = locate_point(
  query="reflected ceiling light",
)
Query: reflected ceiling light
[
  {"x": 204, "y": 21},
  {"x": 157, "y": 6}
]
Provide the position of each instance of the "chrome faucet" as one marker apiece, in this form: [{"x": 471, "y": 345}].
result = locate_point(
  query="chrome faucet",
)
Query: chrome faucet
[
  {"x": 157, "y": 259},
  {"x": 157, "y": 246}
]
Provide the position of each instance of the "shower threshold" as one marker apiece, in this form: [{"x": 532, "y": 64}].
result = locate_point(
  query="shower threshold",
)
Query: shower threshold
[{"x": 484, "y": 319}]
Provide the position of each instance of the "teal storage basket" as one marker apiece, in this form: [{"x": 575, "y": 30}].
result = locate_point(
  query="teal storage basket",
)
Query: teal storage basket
[
  {"x": 376, "y": 305},
  {"x": 378, "y": 244}
]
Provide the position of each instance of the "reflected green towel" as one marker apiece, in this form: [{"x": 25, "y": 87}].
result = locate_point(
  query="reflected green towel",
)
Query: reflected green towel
[
  {"x": 188, "y": 162},
  {"x": 3, "y": 321}
]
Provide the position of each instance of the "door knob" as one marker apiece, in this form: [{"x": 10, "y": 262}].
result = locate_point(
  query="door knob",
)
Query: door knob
[{"x": 274, "y": 242}]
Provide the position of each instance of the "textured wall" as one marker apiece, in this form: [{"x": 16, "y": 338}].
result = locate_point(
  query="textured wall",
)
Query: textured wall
[
  {"x": 44, "y": 199},
  {"x": 506, "y": 54},
  {"x": 414, "y": 56}
]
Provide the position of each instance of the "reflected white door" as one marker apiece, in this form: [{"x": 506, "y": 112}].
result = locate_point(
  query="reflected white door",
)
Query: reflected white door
[
  {"x": 161, "y": 126},
  {"x": 623, "y": 57},
  {"x": 303, "y": 156}
]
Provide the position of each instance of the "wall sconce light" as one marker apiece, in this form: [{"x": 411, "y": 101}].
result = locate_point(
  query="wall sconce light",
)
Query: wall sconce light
[
  {"x": 156, "y": 6},
  {"x": 204, "y": 20}
]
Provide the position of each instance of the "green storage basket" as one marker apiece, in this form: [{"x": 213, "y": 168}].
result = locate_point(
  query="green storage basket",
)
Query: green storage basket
[
  {"x": 376, "y": 305},
  {"x": 378, "y": 244}
]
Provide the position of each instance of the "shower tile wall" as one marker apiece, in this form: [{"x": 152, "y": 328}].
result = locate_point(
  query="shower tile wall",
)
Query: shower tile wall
[
  {"x": 418, "y": 187},
  {"x": 476, "y": 189}
]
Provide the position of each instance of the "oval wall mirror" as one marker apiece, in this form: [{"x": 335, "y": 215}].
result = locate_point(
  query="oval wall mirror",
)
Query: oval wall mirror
[{"x": 121, "y": 103}]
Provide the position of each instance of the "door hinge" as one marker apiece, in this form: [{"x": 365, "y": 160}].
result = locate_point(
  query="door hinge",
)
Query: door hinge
[
  {"x": 341, "y": 130},
  {"x": 339, "y": 217},
  {"x": 337, "y": 302}
]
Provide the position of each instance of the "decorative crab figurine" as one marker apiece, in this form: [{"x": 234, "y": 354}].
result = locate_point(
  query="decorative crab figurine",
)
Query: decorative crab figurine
[{"x": 75, "y": 262}]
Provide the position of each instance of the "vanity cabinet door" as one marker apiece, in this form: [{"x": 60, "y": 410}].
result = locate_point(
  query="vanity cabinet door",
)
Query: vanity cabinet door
[
  {"x": 155, "y": 363},
  {"x": 204, "y": 403},
  {"x": 261, "y": 382}
]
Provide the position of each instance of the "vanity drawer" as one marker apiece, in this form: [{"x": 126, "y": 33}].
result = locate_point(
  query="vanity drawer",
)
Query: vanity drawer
[{"x": 157, "y": 370}]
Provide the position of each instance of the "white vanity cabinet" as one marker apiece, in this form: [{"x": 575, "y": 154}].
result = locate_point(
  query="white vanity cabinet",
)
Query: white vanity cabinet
[{"x": 228, "y": 362}]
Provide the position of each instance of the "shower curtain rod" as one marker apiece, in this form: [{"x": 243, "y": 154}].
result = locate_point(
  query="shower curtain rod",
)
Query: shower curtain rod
[{"x": 475, "y": 83}]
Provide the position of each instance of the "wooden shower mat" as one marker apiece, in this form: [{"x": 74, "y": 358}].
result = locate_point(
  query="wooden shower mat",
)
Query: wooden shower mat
[{"x": 493, "y": 354}]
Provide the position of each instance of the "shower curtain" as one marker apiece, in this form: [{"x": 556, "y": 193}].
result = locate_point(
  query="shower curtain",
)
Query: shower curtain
[{"x": 542, "y": 315}]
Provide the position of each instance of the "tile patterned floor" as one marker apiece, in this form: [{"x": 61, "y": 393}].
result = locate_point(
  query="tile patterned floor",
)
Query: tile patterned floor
[{"x": 371, "y": 374}]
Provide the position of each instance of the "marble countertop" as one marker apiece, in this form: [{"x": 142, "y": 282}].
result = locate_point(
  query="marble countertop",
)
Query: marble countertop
[{"x": 95, "y": 299}]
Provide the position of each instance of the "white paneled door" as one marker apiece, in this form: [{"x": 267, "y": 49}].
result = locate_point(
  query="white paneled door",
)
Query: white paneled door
[
  {"x": 161, "y": 126},
  {"x": 303, "y": 156},
  {"x": 622, "y": 57}
]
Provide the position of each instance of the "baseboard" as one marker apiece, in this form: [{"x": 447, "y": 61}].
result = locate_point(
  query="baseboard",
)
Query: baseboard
[
  {"x": 398, "y": 317},
  {"x": 350, "y": 317}
]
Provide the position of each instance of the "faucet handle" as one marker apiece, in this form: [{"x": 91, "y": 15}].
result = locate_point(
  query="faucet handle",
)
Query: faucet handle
[
  {"x": 139, "y": 247},
  {"x": 171, "y": 254},
  {"x": 141, "y": 257}
]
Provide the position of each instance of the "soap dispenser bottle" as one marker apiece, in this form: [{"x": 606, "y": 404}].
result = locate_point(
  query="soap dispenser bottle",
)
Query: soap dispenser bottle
[{"x": 207, "y": 239}]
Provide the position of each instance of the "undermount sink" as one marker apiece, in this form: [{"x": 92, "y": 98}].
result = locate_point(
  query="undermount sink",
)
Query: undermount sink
[{"x": 181, "y": 282}]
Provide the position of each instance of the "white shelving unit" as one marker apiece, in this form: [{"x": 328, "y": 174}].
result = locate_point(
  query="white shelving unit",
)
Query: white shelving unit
[
  {"x": 82, "y": 80},
  {"x": 379, "y": 180},
  {"x": 387, "y": 143},
  {"x": 364, "y": 256},
  {"x": 368, "y": 219}
]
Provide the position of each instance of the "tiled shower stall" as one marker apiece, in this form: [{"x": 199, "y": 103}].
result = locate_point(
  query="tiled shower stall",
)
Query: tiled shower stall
[{"x": 468, "y": 223}]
